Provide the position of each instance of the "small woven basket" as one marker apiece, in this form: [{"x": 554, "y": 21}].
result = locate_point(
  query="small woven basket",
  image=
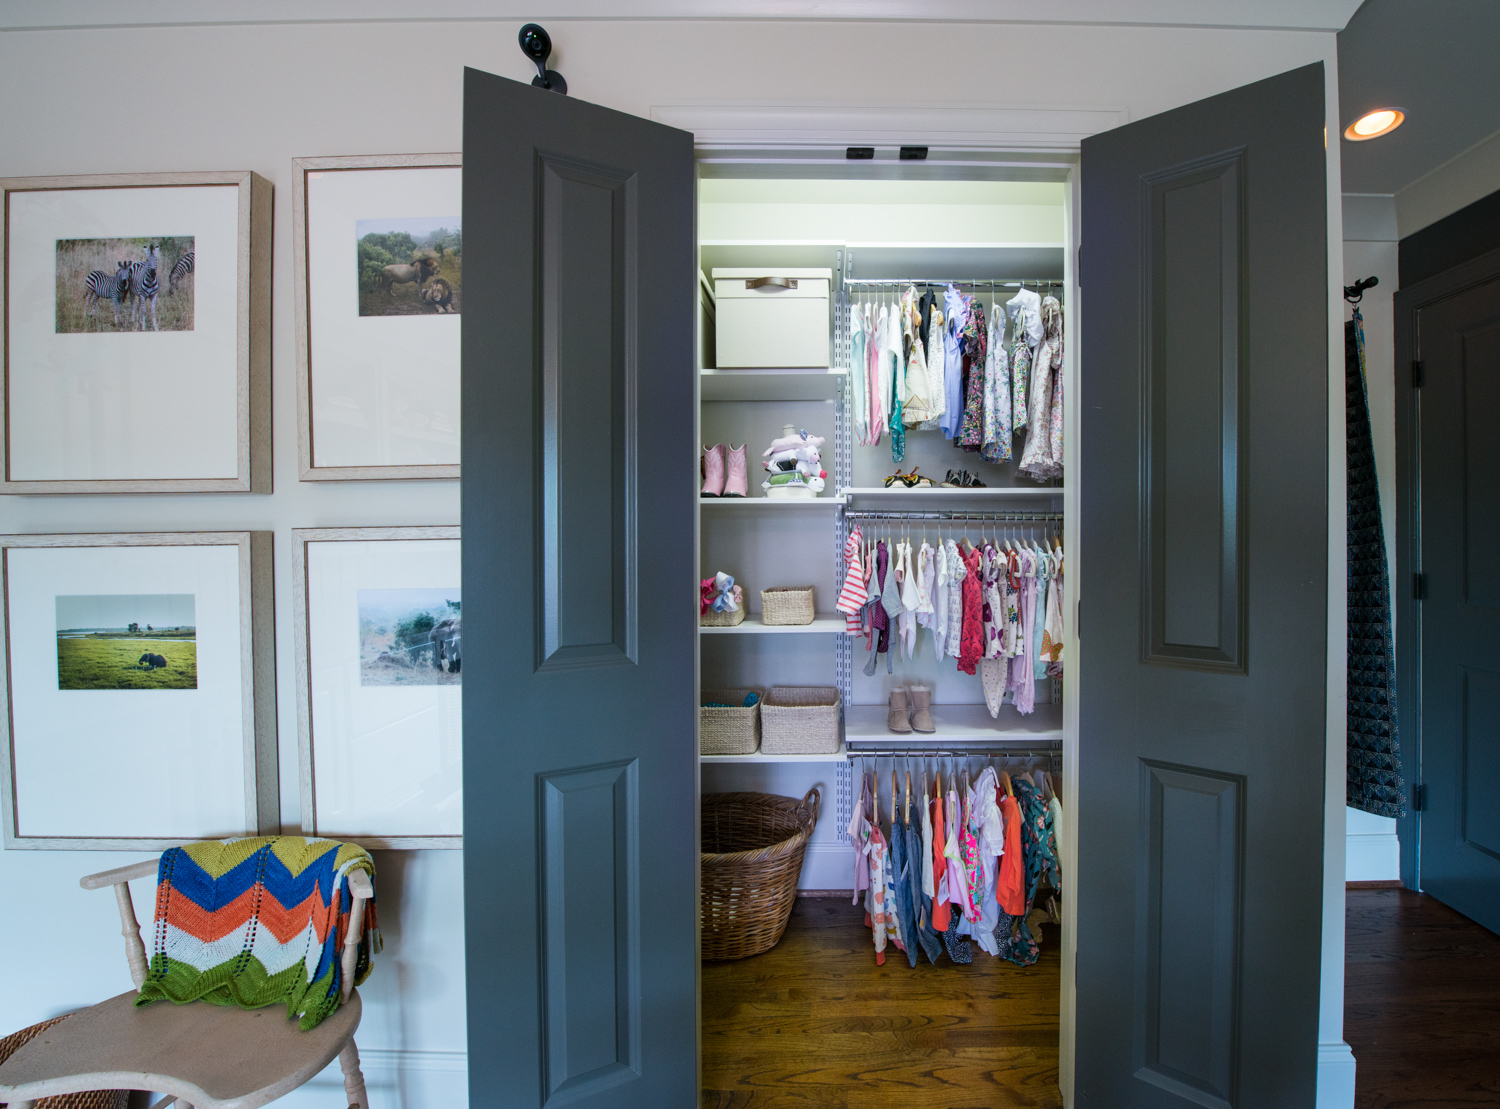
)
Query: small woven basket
[
  {"x": 712, "y": 619},
  {"x": 752, "y": 857},
  {"x": 88, "y": 1099},
  {"x": 787, "y": 605},
  {"x": 800, "y": 720},
  {"x": 734, "y": 730}
]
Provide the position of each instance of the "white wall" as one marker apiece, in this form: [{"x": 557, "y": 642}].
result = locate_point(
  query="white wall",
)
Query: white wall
[
  {"x": 1372, "y": 852},
  {"x": 1456, "y": 184},
  {"x": 254, "y": 97}
]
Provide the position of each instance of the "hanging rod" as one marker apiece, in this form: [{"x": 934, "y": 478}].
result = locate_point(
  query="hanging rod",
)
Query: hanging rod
[
  {"x": 1033, "y": 750},
  {"x": 1047, "y": 281},
  {"x": 988, "y": 517}
]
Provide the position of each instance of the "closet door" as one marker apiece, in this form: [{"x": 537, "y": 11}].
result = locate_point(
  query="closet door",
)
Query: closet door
[
  {"x": 579, "y": 557},
  {"x": 1201, "y": 674}
]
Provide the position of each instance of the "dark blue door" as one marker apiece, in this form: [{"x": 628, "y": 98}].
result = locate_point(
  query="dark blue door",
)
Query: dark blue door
[{"x": 580, "y": 754}]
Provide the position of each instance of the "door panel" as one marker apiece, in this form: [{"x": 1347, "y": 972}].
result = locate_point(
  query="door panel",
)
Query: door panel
[
  {"x": 1203, "y": 605},
  {"x": 1458, "y": 341},
  {"x": 580, "y": 830}
]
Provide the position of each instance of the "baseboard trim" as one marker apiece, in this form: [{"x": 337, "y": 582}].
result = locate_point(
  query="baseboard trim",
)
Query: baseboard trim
[
  {"x": 1382, "y": 884},
  {"x": 1335, "y": 1076}
]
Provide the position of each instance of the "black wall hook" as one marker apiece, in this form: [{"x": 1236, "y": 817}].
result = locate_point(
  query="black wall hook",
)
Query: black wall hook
[
  {"x": 1356, "y": 292},
  {"x": 536, "y": 44}
]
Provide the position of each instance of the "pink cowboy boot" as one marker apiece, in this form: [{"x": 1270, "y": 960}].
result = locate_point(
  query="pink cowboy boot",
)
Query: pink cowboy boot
[
  {"x": 737, "y": 483},
  {"x": 713, "y": 471}
]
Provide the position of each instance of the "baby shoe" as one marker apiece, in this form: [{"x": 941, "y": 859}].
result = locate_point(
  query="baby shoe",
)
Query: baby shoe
[
  {"x": 921, "y": 710},
  {"x": 737, "y": 480},
  {"x": 713, "y": 471},
  {"x": 897, "y": 720}
]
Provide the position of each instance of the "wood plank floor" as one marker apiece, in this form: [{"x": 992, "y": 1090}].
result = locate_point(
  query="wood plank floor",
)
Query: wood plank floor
[
  {"x": 1421, "y": 1003},
  {"x": 815, "y": 1023}
]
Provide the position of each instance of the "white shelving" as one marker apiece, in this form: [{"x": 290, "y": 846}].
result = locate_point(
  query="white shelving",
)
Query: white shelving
[
  {"x": 771, "y": 385},
  {"x": 778, "y": 503},
  {"x": 821, "y": 625},
  {"x": 866, "y": 724},
  {"x": 901, "y": 493},
  {"x": 762, "y": 758}
]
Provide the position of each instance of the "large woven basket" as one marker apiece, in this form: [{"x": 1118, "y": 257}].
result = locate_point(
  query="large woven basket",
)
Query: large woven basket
[
  {"x": 800, "y": 720},
  {"x": 787, "y": 606},
  {"x": 712, "y": 619},
  {"x": 752, "y": 857},
  {"x": 89, "y": 1099},
  {"x": 734, "y": 730}
]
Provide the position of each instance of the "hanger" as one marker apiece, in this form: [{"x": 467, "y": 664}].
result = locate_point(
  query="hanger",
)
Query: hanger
[{"x": 1005, "y": 781}]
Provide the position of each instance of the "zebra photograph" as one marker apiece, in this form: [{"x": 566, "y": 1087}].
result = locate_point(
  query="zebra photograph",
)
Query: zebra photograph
[{"x": 146, "y": 282}]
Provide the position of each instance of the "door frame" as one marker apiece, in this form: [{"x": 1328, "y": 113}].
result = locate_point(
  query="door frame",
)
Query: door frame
[
  {"x": 1035, "y": 140},
  {"x": 1408, "y": 610}
]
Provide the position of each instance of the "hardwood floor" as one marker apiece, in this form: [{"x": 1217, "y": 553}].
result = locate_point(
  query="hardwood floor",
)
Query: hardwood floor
[
  {"x": 1421, "y": 1003},
  {"x": 815, "y": 1023}
]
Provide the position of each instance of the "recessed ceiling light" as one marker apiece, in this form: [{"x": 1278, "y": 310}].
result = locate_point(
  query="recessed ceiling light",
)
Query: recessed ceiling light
[{"x": 1372, "y": 125}]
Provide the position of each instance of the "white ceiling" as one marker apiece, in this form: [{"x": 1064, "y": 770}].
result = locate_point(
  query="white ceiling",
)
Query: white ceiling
[
  {"x": 1437, "y": 59},
  {"x": 1322, "y": 15}
]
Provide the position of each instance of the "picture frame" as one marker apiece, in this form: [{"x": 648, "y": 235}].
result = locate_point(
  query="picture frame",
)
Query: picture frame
[
  {"x": 377, "y": 398},
  {"x": 379, "y": 738},
  {"x": 104, "y": 751},
  {"x": 88, "y": 402}
]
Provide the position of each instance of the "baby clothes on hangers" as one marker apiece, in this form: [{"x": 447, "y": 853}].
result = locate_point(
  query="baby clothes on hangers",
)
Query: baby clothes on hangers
[
  {"x": 909, "y": 602},
  {"x": 1036, "y": 460},
  {"x": 1022, "y": 684},
  {"x": 926, "y": 579},
  {"x": 973, "y": 345},
  {"x": 940, "y": 579},
  {"x": 1043, "y": 590},
  {"x": 880, "y": 624},
  {"x": 1024, "y": 310},
  {"x": 996, "y": 444},
  {"x": 917, "y": 404},
  {"x": 940, "y": 897},
  {"x": 953, "y": 322},
  {"x": 1052, "y": 626},
  {"x": 853, "y": 597},
  {"x": 860, "y": 406},
  {"x": 877, "y": 905},
  {"x": 971, "y": 641},
  {"x": 859, "y": 839},
  {"x": 957, "y": 571},
  {"x": 875, "y": 406},
  {"x": 932, "y": 347}
]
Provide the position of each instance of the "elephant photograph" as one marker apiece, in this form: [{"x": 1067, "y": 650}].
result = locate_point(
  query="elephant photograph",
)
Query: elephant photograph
[{"x": 410, "y": 637}]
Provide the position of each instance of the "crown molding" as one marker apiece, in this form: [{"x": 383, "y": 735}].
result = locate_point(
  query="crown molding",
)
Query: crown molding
[{"x": 1293, "y": 15}]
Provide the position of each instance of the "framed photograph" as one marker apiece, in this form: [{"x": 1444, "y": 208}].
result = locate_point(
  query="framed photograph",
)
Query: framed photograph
[
  {"x": 379, "y": 638},
  {"x": 140, "y": 689},
  {"x": 137, "y": 333},
  {"x": 378, "y": 255}
]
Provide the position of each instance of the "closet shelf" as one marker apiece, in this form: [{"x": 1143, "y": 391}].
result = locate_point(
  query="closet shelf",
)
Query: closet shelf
[
  {"x": 901, "y": 493},
  {"x": 753, "y": 626},
  {"x": 761, "y": 757},
  {"x": 771, "y": 385},
  {"x": 789, "y": 503},
  {"x": 866, "y": 725}
]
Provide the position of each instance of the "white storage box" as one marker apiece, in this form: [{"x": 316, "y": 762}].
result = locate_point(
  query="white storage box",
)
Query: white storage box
[{"x": 771, "y": 319}]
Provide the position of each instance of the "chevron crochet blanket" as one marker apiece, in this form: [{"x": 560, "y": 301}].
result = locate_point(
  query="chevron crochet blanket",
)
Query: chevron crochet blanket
[{"x": 252, "y": 922}]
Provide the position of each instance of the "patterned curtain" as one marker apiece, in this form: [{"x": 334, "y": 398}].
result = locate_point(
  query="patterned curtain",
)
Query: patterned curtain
[{"x": 1374, "y": 766}]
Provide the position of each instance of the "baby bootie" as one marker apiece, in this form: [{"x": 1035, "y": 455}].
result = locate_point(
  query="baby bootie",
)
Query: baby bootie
[
  {"x": 897, "y": 720},
  {"x": 713, "y": 471},
  {"x": 921, "y": 711},
  {"x": 737, "y": 481}
]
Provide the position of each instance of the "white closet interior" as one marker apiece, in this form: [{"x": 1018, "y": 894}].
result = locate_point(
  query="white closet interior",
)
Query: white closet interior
[{"x": 951, "y": 217}]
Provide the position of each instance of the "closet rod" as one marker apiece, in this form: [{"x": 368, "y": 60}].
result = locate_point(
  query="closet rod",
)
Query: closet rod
[
  {"x": 978, "y": 517},
  {"x": 1034, "y": 751},
  {"x": 986, "y": 283}
]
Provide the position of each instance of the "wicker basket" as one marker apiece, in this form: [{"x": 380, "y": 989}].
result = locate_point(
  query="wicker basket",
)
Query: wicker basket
[
  {"x": 712, "y": 619},
  {"x": 800, "y": 720},
  {"x": 787, "y": 605},
  {"x": 752, "y": 858},
  {"x": 89, "y": 1099},
  {"x": 729, "y": 731}
]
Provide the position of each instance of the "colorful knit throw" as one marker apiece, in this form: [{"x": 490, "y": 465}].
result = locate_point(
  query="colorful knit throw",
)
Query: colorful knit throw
[{"x": 252, "y": 922}]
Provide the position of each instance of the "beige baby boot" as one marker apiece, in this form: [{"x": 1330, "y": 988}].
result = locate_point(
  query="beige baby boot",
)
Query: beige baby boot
[
  {"x": 921, "y": 710},
  {"x": 897, "y": 721}
]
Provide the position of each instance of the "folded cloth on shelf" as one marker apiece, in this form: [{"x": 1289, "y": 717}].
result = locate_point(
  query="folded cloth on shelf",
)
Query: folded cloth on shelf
[{"x": 257, "y": 921}]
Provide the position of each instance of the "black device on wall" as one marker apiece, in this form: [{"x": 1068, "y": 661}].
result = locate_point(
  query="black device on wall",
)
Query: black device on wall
[{"x": 536, "y": 44}]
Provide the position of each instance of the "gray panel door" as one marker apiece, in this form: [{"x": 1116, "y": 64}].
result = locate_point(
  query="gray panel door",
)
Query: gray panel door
[
  {"x": 580, "y": 834},
  {"x": 1202, "y": 624},
  {"x": 1451, "y": 322}
]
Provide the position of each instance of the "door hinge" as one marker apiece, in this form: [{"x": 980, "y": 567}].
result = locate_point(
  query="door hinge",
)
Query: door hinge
[
  {"x": 1418, "y": 797},
  {"x": 1416, "y": 373},
  {"x": 1419, "y": 587}
]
